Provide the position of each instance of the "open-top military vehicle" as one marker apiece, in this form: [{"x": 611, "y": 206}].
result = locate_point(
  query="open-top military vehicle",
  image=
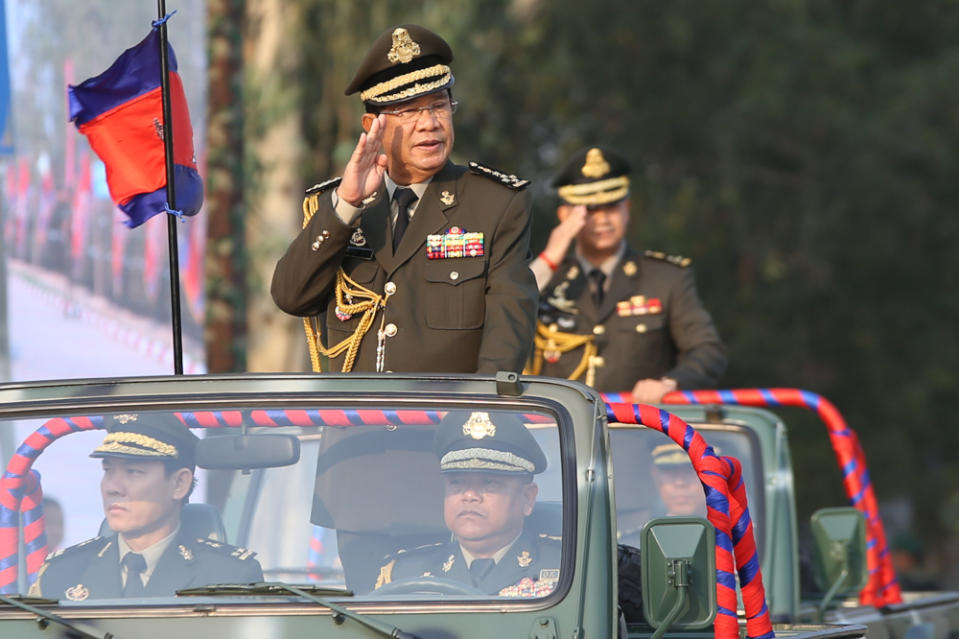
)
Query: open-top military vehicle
[
  {"x": 322, "y": 479},
  {"x": 850, "y": 562}
]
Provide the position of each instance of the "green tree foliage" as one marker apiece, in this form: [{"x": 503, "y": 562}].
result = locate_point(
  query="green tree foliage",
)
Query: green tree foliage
[{"x": 802, "y": 153}]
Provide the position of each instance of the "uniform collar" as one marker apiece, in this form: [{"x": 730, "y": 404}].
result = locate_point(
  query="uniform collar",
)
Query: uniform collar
[
  {"x": 499, "y": 554},
  {"x": 151, "y": 555},
  {"x": 419, "y": 189},
  {"x": 608, "y": 265}
]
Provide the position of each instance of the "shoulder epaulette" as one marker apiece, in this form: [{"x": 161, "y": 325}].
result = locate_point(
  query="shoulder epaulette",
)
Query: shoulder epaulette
[
  {"x": 227, "y": 549},
  {"x": 324, "y": 186},
  {"x": 83, "y": 545},
  {"x": 507, "y": 180},
  {"x": 675, "y": 260}
]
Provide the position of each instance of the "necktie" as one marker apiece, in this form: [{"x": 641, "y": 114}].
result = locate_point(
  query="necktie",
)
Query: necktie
[
  {"x": 135, "y": 564},
  {"x": 403, "y": 197},
  {"x": 598, "y": 278},
  {"x": 479, "y": 568}
]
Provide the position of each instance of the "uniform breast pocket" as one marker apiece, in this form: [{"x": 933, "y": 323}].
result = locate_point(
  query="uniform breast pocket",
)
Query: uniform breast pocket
[
  {"x": 337, "y": 319},
  {"x": 649, "y": 325},
  {"x": 457, "y": 293}
]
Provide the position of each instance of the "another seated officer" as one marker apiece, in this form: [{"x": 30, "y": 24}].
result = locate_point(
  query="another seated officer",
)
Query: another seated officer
[
  {"x": 678, "y": 487},
  {"x": 148, "y": 474},
  {"x": 488, "y": 462}
]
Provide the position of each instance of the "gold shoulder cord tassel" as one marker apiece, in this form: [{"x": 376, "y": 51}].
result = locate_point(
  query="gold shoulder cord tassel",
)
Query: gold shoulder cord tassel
[
  {"x": 549, "y": 339},
  {"x": 346, "y": 289}
]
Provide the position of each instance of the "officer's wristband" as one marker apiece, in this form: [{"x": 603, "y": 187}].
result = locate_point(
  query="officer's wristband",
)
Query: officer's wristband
[{"x": 549, "y": 263}]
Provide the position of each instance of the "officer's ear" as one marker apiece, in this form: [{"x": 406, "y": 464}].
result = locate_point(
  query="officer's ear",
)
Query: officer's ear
[
  {"x": 367, "y": 121},
  {"x": 182, "y": 483},
  {"x": 530, "y": 491},
  {"x": 563, "y": 211}
]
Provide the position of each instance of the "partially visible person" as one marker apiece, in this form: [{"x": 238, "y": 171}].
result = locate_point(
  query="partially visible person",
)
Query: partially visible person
[
  {"x": 488, "y": 462},
  {"x": 53, "y": 523},
  {"x": 611, "y": 316},
  {"x": 908, "y": 560},
  {"x": 678, "y": 488},
  {"x": 413, "y": 263},
  {"x": 148, "y": 475}
]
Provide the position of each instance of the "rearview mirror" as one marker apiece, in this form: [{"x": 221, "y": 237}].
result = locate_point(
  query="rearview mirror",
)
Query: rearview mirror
[
  {"x": 678, "y": 556},
  {"x": 839, "y": 552},
  {"x": 238, "y": 452}
]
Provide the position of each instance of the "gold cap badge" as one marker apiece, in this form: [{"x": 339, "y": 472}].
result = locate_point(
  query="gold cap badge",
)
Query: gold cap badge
[
  {"x": 403, "y": 49},
  {"x": 126, "y": 418},
  {"x": 479, "y": 426},
  {"x": 77, "y": 593},
  {"x": 596, "y": 165}
]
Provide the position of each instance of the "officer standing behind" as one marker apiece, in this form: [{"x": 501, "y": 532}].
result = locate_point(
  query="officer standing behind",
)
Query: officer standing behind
[
  {"x": 148, "y": 473},
  {"x": 615, "y": 318},
  {"x": 417, "y": 264},
  {"x": 488, "y": 462}
]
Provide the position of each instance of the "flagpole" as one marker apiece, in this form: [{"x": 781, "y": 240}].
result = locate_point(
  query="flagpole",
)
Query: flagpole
[{"x": 171, "y": 220}]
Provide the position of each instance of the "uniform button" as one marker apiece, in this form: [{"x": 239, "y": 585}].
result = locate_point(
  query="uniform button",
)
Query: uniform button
[
  {"x": 390, "y": 288},
  {"x": 454, "y": 275},
  {"x": 599, "y": 329},
  {"x": 640, "y": 328},
  {"x": 326, "y": 234},
  {"x": 316, "y": 245},
  {"x": 390, "y": 329}
]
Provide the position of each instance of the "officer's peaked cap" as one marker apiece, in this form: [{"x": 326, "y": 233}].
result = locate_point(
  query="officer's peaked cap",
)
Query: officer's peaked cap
[
  {"x": 479, "y": 441},
  {"x": 149, "y": 437},
  {"x": 407, "y": 61},
  {"x": 594, "y": 175},
  {"x": 672, "y": 454}
]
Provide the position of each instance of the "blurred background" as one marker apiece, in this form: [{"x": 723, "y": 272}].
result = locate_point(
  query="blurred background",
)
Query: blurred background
[{"x": 801, "y": 153}]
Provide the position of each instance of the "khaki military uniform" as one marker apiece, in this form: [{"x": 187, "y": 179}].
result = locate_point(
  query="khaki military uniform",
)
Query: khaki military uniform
[
  {"x": 91, "y": 569},
  {"x": 460, "y": 312},
  {"x": 651, "y": 324}
]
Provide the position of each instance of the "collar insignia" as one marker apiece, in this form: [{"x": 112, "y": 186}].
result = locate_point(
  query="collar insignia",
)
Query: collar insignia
[
  {"x": 572, "y": 273},
  {"x": 77, "y": 593},
  {"x": 403, "y": 49},
  {"x": 479, "y": 426},
  {"x": 358, "y": 239},
  {"x": 560, "y": 301},
  {"x": 448, "y": 566},
  {"x": 185, "y": 552},
  {"x": 524, "y": 559},
  {"x": 596, "y": 165},
  {"x": 629, "y": 268},
  {"x": 447, "y": 198}
]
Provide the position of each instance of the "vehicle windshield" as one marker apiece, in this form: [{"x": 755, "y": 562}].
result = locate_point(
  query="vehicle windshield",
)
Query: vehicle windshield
[
  {"x": 654, "y": 477},
  {"x": 426, "y": 502}
]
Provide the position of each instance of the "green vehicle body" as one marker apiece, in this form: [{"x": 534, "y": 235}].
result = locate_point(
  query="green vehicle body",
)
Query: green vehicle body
[
  {"x": 922, "y": 614},
  {"x": 583, "y": 604}
]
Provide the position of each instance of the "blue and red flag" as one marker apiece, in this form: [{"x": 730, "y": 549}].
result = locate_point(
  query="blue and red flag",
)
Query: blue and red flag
[{"x": 121, "y": 113}]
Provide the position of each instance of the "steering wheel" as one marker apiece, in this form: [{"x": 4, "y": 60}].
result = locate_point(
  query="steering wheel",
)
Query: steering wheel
[{"x": 426, "y": 586}]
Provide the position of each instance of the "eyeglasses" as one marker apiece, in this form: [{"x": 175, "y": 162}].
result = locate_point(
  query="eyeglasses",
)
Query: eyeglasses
[{"x": 442, "y": 110}]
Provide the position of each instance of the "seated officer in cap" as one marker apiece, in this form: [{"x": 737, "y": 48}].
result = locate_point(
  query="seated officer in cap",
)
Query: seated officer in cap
[
  {"x": 415, "y": 263},
  {"x": 488, "y": 461},
  {"x": 147, "y": 477},
  {"x": 610, "y": 316},
  {"x": 678, "y": 487}
]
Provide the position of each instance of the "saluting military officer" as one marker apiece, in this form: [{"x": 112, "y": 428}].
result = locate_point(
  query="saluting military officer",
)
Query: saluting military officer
[
  {"x": 488, "y": 461},
  {"x": 415, "y": 263},
  {"x": 618, "y": 319},
  {"x": 148, "y": 473}
]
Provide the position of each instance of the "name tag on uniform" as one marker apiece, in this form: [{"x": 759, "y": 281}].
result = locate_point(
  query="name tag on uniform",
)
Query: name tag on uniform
[
  {"x": 362, "y": 252},
  {"x": 456, "y": 242}
]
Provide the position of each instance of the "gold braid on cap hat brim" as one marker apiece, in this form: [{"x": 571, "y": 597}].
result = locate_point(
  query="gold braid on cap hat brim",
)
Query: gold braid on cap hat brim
[
  {"x": 375, "y": 92},
  {"x": 601, "y": 192},
  {"x": 485, "y": 459},
  {"x": 149, "y": 447}
]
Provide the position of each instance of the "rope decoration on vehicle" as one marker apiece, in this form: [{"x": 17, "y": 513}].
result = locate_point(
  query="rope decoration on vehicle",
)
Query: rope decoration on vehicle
[
  {"x": 20, "y": 493},
  {"x": 883, "y": 588},
  {"x": 727, "y": 510}
]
